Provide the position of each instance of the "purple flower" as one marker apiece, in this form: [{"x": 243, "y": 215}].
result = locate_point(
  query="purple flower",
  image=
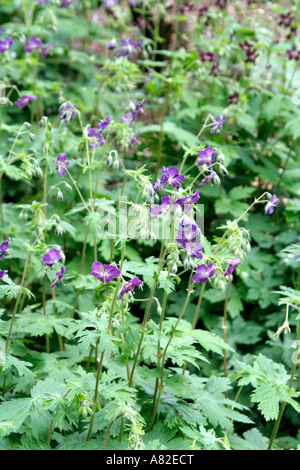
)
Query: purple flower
[
  {"x": 204, "y": 273},
  {"x": 251, "y": 52},
  {"x": 24, "y": 101},
  {"x": 132, "y": 116},
  {"x": 104, "y": 272},
  {"x": 112, "y": 44},
  {"x": 59, "y": 277},
  {"x": 207, "y": 56},
  {"x": 65, "y": 3},
  {"x": 218, "y": 125},
  {"x": 208, "y": 178},
  {"x": 111, "y": 3},
  {"x": 2, "y": 273},
  {"x": 285, "y": 19},
  {"x": 193, "y": 250},
  {"x": 206, "y": 157},
  {"x": 186, "y": 202},
  {"x": 68, "y": 111},
  {"x": 61, "y": 163},
  {"x": 5, "y": 44},
  {"x": 163, "y": 208},
  {"x": 187, "y": 232},
  {"x": 33, "y": 44},
  {"x": 4, "y": 248},
  {"x": 130, "y": 47},
  {"x": 52, "y": 257},
  {"x": 233, "y": 99},
  {"x": 171, "y": 177},
  {"x": 130, "y": 286},
  {"x": 231, "y": 266},
  {"x": 274, "y": 201},
  {"x": 45, "y": 50},
  {"x": 293, "y": 53}
]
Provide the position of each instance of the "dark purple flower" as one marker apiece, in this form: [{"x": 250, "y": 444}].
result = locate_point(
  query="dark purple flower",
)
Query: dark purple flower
[
  {"x": 33, "y": 44},
  {"x": 233, "y": 99},
  {"x": 129, "y": 47},
  {"x": 24, "y": 101},
  {"x": 5, "y": 44},
  {"x": 61, "y": 163},
  {"x": 206, "y": 157},
  {"x": 130, "y": 286},
  {"x": 59, "y": 277},
  {"x": 171, "y": 177},
  {"x": 293, "y": 53},
  {"x": 207, "y": 56},
  {"x": 52, "y": 257},
  {"x": 218, "y": 125},
  {"x": 274, "y": 201},
  {"x": 204, "y": 273},
  {"x": 285, "y": 19},
  {"x": 112, "y": 44},
  {"x": 68, "y": 111},
  {"x": 251, "y": 52},
  {"x": 231, "y": 266},
  {"x": 2, "y": 273},
  {"x": 104, "y": 272},
  {"x": 4, "y": 248},
  {"x": 65, "y": 3},
  {"x": 222, "y": 4}
]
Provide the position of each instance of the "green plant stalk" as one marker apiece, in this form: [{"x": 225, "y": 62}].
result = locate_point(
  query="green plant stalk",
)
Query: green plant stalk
[
  {"x": 195, "y": 320},
  {"x": 161, "y": 385},
  {"x": 224, "y": 327},
  {"x": 283, "y": 404}
]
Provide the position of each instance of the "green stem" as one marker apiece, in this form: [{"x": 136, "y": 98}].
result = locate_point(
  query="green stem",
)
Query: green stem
[{"x": 283, "y": 404}]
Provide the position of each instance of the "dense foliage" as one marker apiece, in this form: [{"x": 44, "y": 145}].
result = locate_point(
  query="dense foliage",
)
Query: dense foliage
[{"x": 150, "y": 236}]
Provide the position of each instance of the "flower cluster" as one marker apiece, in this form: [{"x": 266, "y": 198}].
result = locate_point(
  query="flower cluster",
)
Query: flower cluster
[
  {"x": 213, "y": 58},
  {"x": 35, "y": 44},
  {"x": 67, "y": 111},
  {"x": 128, "y": 47},
  {"x": 3, "y": 251},
  {"x": 133, "y": 115},
  {"x": 251, "y": 52},
  {"x": 96, "y": 135}
]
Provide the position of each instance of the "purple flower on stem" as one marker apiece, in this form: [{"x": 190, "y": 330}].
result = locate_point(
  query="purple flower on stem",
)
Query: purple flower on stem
[
  {"x": 206, "y": 157},
  {"x": 61, "y": 163},
  {"x": 59, "y": 277},
  {"x": 132, "y": 116},
  {"x": 163, "y": 208},
  {"x": 45, "y": 50},
  {"x": 5, "y": 44},
  {"x": 274, "y": 201},
  {"x": 65, "y": 3},
  {"x": 231, "y": 266},
  {"x": 52, "y": 257},
  {"x": 112, "y": 44},
  {"x": 293, "y": 53},
  {"x": 187, "y": 233},
  {"x": 204, "y": 273},
  {"x": 2, "y": 273},
  {"x": 130, "y": 286},
  {"x": 186, "y": 202},
  {"x": 24, "y": 101},
  {"x": 218, "y": 125},
  {"x": 68, "y": 111},
  {"x": 208, "y": 178},
  {"x": 194, "y": 250},
  {"x": 105, "y": 272},
  {"x": 33, "y": 44},
  {"x": 4, "y": 248},
  {"x": 171, "y": 177}
]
